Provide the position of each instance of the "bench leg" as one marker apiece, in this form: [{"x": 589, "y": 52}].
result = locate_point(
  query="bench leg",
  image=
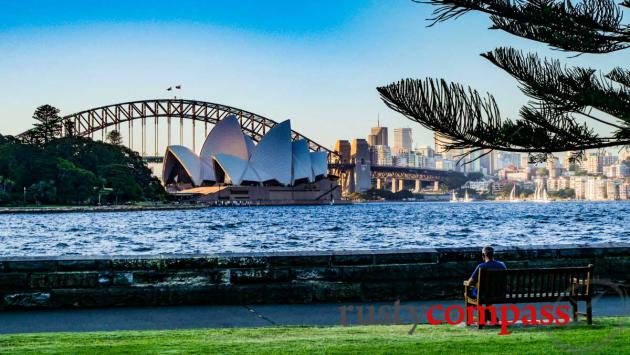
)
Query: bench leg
[
  {"x": 574, "y": 306},
  {"x": 589, "y": 311},
  {"x": 479, "y": 324}
]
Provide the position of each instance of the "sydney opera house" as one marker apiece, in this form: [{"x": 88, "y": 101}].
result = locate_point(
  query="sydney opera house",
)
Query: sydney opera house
[{"x": 231, "y": 167}]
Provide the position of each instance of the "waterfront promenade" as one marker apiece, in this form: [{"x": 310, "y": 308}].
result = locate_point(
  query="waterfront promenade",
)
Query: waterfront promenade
[{"x": 230, "y": 316}]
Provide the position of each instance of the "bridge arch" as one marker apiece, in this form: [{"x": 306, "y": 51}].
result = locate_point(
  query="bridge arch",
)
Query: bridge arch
[{"x": 86, "y": 123}]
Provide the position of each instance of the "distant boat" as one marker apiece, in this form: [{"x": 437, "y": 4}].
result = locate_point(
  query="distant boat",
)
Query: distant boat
[
  {"x": 540, "y": 194},
  {"x": 513, "y": 195},
  {"x": 454, "y": 197},
  {"x": 466, "y": 198}
]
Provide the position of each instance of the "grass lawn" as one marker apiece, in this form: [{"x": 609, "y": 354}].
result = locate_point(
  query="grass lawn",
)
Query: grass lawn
[{"x": 605, "y": 336}]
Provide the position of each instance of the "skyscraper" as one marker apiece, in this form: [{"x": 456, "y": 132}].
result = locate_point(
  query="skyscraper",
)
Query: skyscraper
[
  {"x": 378, "y": 136},
  {"x": 402, "y": 140},
  {"x": 343, "y": 147}
]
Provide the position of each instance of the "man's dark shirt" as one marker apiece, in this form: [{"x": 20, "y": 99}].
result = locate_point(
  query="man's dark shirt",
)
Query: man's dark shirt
[{"x": 490, "y": 265}]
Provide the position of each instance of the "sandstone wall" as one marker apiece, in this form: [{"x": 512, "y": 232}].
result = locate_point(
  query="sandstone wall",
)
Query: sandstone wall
[{"x": 294, "y": 277}]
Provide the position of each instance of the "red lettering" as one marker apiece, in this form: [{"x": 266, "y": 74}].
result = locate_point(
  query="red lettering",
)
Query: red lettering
[
  {"x": 504, "y": 318},
  {"x": 430, "y": 318},
  {"x": 531, "y": 320},
  {"x": 460, "y": 314},
  {"x": 545, "y": 311},
  {"x": 563, "y": 317}
]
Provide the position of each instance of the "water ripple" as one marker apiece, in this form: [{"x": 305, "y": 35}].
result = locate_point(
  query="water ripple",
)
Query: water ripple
[{"x": 363, "y": 226}]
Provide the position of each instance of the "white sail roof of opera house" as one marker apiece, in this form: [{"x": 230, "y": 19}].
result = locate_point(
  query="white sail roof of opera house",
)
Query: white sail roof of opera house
[
  {"x": 226, "y": 138},
  {"x": 302, "y": 167},
  {"x": 197, "y": 170},
  {"x": 274, "y": 158}
]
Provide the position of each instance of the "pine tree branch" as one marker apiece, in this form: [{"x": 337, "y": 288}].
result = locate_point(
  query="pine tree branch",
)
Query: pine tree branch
[
  {"x": 468, "y": 120},
  {"x": 590, "y": 26},
  {"x": 565, "y": 89}
]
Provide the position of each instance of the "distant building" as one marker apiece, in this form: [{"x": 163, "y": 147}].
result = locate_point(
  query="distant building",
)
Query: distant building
[
  {"x": 617, "y": 171},
  {"x": 594, "y": 163},
  {"x": 362, "y": 174},
  {"x": 553, "y": 167},
  {"x": 504, "y": 159},
  {"x": 378, "y": 136},
  {"x": 426, "y": 151},
  {"x": 481, "y": 186},
  {"x": 381, "y": 155},
  {"x": 596, "y": 189},
  {"x": 446, "y": 164},
  {"x": 402, "y": 140},
  {"x": 343, "y": 147}
]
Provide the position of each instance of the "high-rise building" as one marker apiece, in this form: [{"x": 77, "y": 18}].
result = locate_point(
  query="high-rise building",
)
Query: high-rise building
[
  {"x": 379, "y": 136},
  {"x": 426, "y": 151},
  {"x": 360, "y": 156},
  {"x": 344, "y": 148},
  {"x": 594, "y": 163},
  {"x": 552, "y": 166},
  {"x": 372, "y": 140},
  {"x": 382, "y": 155},
  {"x": 402, "y": 140}
]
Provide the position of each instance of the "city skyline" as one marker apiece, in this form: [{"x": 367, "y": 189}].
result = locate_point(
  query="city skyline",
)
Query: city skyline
[{"x": 304, "y": 62}]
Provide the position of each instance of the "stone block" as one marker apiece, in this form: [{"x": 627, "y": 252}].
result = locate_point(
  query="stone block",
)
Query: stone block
[
  {"x": 315, "y": 273},
  {"x": 13, "y": 281},
  {"x": 391, "y": 272},
  {"x": 459, "y": 254},
  {"x": 406, "y": 256},
  {"x": 300, "y": 259},
  {"x": 46, "y": 281},
  {"x": 177, "y": 278},
  {"x": 31, "y": 265},
  {"x": 241, "y": 261},
  {"x": 288, "y": 292},
  {"x": 324, "y": 291},
  {"x": 84, "y": 265},
  {"x": 353, "y": 257},
  {"x": 163, "y": 263},
  {"x": 240, "y": 276},
  {"x": 27, "y": 300}
]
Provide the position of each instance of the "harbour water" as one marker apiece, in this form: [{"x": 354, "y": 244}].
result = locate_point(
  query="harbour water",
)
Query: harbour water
[{"x": 345, "y": 227}]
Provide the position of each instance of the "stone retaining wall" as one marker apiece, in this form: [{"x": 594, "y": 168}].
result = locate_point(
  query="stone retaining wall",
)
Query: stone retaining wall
[{"x": 293, "y": 277}]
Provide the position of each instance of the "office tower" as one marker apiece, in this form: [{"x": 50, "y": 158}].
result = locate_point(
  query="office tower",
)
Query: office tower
[
  {"x": 379, "y": 136},
  {"x": 360, "y": 156},
  {"x": 402, "y": 140},
  {"x": 382, "y": 155},
  {"x": 344, "y": 148}
]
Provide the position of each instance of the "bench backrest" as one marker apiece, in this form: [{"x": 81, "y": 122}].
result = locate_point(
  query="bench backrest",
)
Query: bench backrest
[{"x": 523, "y": 285}]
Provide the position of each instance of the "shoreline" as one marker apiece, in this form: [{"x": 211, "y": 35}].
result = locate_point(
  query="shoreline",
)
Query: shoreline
[{"x": 138, "y": 208}]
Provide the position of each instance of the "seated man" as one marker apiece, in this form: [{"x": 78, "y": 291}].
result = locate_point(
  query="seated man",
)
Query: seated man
[{"x": 488, "y": 264}]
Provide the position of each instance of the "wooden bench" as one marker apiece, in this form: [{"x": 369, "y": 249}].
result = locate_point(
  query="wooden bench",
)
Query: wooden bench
[{"x": 566, "y": 284}]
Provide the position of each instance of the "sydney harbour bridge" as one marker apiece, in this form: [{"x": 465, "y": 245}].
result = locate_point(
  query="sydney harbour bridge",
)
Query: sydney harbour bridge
[{"x": 147, "y": 127}]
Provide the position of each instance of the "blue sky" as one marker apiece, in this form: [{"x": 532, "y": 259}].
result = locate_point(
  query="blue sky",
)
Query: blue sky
[{"x": 315, "y": 62}]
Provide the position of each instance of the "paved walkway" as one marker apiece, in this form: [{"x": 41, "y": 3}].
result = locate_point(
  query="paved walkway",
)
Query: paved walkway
[{"x": 187, "y": 317}]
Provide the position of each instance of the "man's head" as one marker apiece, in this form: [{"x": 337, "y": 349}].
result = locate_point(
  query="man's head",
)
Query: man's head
[{"x": 488, "y": 253}]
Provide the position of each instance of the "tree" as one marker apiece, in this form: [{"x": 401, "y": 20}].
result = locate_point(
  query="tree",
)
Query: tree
[
  {"x": 114, "y": 137},
  {"x": 43, "y": 192},
  {"x": 76, "y": 185},
  {"x": 49, "y": 124},
  {"x": 120, "y": 179},
  {"x": 560, "y": 95}
]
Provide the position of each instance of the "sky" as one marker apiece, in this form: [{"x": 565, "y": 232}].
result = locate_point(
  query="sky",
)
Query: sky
[{"x": 317, "y": 63}]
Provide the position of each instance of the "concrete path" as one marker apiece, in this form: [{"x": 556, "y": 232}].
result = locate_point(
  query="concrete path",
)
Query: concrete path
[{"x": 187, "y": 317}]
